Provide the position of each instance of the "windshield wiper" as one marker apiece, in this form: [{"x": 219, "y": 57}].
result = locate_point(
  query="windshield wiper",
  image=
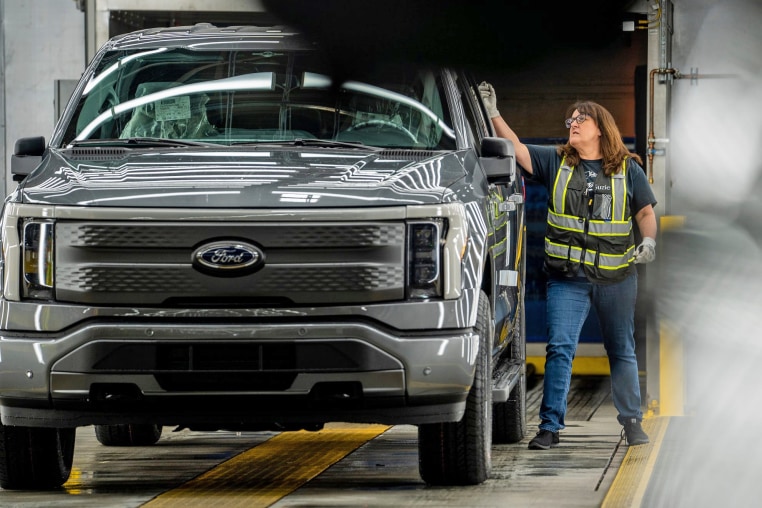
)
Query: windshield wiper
[
  {"x": 142, "y": 142},
  {"x": 327, "y": 143}
]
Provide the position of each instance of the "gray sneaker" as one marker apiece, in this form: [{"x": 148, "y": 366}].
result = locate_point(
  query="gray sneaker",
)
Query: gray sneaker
[
  {"x": 544, "y": 440},
  {"x": 633, "y": 432}
]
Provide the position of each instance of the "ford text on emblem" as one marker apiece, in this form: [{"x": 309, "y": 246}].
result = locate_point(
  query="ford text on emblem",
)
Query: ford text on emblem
[{"x": 228, "y": 258}]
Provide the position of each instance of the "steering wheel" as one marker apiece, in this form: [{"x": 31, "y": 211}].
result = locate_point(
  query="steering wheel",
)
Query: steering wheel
[{"x": 384, "y": 124}]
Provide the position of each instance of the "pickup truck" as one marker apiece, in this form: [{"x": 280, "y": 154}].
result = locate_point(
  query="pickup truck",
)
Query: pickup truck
[{"x": 221, "y": 234}]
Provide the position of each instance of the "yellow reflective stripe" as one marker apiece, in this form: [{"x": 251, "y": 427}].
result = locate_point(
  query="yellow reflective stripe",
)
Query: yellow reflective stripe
[
  {"x": 607, "y": 261},
  {"x": 563, "y": 195},
  {"x": 559, "y": 194},
  {"x": 595, "y": 228},
  {"x": 619, "y": 191},
  {"x": 615, "y": 202},
  {"x": 565, "y": 222},
  {"x": 624, "y": 183},
  {"x": 561, "y": 251},
  {"x": 503, "y": 243},
  {"x": 609, "y": 228},
  {"x": 555, "y": 192}
]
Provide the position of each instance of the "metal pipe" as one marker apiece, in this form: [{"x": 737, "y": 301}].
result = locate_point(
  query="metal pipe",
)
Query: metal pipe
[{"x": 651, "y": 136}]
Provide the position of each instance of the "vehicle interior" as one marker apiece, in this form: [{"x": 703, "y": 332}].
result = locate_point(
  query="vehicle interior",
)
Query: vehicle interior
[{"x": 233, "y": 97}]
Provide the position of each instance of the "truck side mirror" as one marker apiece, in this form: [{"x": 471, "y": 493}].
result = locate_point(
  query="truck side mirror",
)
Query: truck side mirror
[
  {"x": 498, "y": 158},
  {"x": 27, "y": 155}
]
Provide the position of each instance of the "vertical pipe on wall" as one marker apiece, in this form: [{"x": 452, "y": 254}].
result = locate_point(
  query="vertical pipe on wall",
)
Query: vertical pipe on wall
[{"x": 651, "y": 136}]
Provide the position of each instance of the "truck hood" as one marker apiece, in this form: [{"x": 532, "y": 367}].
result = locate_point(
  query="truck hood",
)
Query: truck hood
[{"x": 235, "y": 177}]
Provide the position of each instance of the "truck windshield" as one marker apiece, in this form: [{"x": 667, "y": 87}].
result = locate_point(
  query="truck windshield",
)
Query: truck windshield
[{"x": 235, "y": 97}]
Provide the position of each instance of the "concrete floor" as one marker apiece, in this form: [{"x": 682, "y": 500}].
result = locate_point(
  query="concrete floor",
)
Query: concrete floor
[{"x": 381, "y": 472}]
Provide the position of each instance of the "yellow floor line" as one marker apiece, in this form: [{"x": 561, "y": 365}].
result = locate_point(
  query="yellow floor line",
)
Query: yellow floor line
[
  {"x": 268, "y": 472},
  {"x": 630, "y": 484}
]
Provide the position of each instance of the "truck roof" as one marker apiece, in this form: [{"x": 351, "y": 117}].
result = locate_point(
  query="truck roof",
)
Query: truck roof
[{"x": 202, "y": 34}]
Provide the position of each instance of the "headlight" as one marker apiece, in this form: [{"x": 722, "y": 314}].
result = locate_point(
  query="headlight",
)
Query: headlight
[
  {"x": 38, "y": 256},
  {"x": 424, "y": 245}
]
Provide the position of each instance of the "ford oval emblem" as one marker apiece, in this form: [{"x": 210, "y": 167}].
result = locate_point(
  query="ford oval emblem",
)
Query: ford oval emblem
[{"x": 228, "y": 258}]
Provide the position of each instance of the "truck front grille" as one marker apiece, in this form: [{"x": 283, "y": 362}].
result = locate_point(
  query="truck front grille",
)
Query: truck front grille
[{"x": 150, "y": 264}]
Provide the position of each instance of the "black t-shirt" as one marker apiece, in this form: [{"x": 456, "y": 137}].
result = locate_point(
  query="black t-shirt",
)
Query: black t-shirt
[{"x": 546, "y": 161}]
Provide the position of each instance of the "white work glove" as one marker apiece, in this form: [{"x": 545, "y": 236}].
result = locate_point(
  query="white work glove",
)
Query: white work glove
[
  {"x": 645, "y": 252},
  {"x": 490, "y": 99}
]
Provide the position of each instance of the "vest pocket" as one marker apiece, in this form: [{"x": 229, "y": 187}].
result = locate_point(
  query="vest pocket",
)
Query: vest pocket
[{"x": 602, "y": 204}]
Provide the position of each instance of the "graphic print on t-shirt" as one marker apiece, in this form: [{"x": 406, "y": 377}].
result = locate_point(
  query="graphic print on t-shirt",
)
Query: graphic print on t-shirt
[{"x": 590, "y": 175}]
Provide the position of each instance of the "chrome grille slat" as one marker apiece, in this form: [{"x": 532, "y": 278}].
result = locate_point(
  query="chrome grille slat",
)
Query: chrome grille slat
[{"x": 101, "y": 236}]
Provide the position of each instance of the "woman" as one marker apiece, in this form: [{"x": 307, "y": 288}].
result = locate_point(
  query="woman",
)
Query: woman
[{"x": 596, "y": 188}]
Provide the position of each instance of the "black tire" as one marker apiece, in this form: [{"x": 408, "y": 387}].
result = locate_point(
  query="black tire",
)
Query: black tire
[
  {"x": 459, "y": 453},
  {"x": 128, "y": 434},
  {"x": 509, "y": 420},
  {"x": 33, "y": 458}
]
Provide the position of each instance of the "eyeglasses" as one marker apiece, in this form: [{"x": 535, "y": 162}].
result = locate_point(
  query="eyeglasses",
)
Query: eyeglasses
[{"x": 579, "y": 119}]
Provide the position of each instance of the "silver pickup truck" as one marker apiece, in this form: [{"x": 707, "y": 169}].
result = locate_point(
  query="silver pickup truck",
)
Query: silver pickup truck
[{"x": 222, "y": 235}]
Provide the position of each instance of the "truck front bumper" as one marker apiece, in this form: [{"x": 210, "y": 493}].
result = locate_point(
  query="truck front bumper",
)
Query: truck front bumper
[{"x": 214, "y": 372}]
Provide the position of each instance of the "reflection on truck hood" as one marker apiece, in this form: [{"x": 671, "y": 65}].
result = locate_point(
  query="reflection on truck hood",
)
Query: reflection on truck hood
[{"x": 242, "y": 178}]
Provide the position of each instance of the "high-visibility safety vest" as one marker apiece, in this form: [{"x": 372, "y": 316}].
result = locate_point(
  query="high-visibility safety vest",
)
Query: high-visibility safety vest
[{"x": 594, "y": 231}]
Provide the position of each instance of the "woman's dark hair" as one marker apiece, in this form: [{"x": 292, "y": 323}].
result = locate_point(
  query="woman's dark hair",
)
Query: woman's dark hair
[{"x": 613, "y": 148}]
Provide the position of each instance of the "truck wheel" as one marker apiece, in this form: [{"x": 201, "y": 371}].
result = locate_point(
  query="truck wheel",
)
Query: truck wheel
[
  {"x": 35, "y": 458},
  {"x": 459, "y": 453},
  {"x": 509, "y": 420},
  {"x": 128, "y": 434}
]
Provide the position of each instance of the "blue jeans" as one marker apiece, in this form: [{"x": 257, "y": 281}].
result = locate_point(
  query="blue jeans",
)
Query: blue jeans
[{"x": 568, "y": 304}]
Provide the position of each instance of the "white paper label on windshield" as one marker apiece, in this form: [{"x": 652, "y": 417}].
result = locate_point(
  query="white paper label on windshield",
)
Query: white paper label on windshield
[{"x": 174, "y": 108}]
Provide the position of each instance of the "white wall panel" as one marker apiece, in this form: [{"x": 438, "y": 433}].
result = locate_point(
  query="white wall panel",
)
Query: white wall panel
[{"x": 43, "y": 40}]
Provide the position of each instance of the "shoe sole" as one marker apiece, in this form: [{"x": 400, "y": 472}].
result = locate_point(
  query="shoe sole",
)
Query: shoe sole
[{"x": 537, "y": 446}]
